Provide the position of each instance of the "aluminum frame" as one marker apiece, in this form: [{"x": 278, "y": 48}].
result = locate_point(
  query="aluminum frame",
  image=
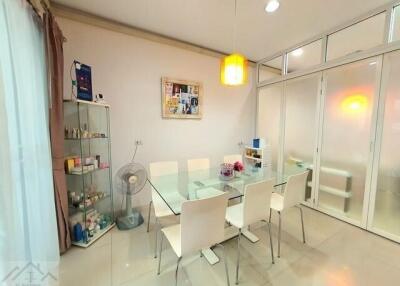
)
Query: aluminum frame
[
  {"x": 386, "y": 44},
  {"x": 377, "y": 116},
  {"x": 373, "y": 133}
]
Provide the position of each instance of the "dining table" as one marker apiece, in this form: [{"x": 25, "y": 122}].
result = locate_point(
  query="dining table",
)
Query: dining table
[{"x": 176, "y": 188}]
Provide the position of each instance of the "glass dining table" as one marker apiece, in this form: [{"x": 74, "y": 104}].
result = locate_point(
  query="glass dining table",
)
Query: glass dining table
[{"x": 176, "y": 188}]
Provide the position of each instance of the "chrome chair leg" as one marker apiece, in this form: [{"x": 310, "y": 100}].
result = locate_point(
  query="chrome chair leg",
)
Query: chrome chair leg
[
  {"x": 148, "y": 216},
  {"x": 302, "y": 224},
  {"x": 279, "y": 234},
  {"x": 176, "y": 271},
  {"x": 159, "y": 258},
  {"x": 270, "y": 215},
  {"x": 157, "y": 226},
  {"x": 238, "y": 256},
  {"x": 270, "y": 242},
  {"x": 226, "y": 264}
]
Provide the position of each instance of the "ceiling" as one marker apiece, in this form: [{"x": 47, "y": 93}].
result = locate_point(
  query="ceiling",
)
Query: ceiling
[{"x": 210, "y": 23}]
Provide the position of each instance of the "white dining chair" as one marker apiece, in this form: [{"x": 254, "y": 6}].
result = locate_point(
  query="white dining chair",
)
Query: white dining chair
[
  {"x": 232, "y": 159},
  {"x": 198, "y": 164},
  {"x": 198, "y": 169},
  {"x": 161, "y": 209},
  {"x": 292, "y": 196},
  {"x": 254, "y": 208},
  {"x": 202, "y": 226}
]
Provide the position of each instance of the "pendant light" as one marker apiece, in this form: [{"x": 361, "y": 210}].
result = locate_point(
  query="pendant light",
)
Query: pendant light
[{"x": 234, "y": 67}]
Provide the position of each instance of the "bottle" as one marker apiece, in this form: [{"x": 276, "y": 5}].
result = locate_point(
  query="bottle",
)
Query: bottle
[{"x": 78, "y": 232}]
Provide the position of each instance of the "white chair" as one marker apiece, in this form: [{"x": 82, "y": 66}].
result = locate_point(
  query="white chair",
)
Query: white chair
[
  {"x": 161, "y": 209},
  {"x": 198, "y": 164},
  {"x": 231, "y": 159},
  {"x": 199, "y": 169},
  {"x": 254, "y": 208},
  {"x": 292, "y": 196},
  {"x": 202, "y": 226}
]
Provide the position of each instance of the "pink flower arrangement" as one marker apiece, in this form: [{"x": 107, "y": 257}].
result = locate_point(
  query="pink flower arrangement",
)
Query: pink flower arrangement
[{"x": 238, "y": 166}]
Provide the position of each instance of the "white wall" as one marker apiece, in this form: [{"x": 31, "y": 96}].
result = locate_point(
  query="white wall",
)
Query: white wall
[{"x": 128, "y": 71}]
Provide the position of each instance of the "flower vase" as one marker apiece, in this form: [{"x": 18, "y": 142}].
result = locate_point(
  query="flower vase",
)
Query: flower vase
[{"x": 238, "y": 174}]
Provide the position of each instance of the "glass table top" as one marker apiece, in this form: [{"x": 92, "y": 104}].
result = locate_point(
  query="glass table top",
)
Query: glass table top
[{"x": 176, "y": 188}]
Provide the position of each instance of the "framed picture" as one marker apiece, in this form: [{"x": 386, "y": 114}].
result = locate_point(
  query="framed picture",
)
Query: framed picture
[{"x": 181, "y": 98}]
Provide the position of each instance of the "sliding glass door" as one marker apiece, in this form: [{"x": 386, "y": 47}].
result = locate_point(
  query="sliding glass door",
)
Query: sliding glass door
[
  {"x": 269, "y": 122},
  {"x": 385, "y": 196},
  {"x": 301, "y": 125},
  {"x": 345, "y": 155},
  {"x": 343, "y": 125}
]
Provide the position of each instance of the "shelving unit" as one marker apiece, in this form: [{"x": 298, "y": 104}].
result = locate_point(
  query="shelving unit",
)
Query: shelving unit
[
  {"x": 87, "y": 154},
  {"x": 253, "y": 157},
  {"x": 95, "y": 237}
]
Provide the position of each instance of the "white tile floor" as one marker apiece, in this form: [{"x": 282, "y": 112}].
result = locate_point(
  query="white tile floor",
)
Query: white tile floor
[{"x": 336, "y": 254}]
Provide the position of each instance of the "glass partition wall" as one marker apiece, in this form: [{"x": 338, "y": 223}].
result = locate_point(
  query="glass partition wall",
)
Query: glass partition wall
[
  {"x": 300, "y": 125},
  {"x": 385, "y": 202},
  {"x": 270, "y": 100},
  {"x": 333, "y": 107},
  {"x": 346, "y": 133}
]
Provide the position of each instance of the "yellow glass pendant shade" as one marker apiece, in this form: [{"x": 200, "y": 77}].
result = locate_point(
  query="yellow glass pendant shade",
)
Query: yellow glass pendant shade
[{"x": 234, "y": 70}]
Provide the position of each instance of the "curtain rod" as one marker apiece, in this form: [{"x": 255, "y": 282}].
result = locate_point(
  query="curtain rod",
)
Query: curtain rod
[{"x": 45, "y": 8}]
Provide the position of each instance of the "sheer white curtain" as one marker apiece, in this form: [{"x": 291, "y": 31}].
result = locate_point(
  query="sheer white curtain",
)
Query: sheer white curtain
[{"x": 28, "y": 230}]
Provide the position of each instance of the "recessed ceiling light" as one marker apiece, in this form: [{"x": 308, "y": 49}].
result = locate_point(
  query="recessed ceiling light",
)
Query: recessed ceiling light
[
  {"x": 372, "y": 64},
  {"x": 298, "y": 52},
  {"x": 272, "y": 6}
]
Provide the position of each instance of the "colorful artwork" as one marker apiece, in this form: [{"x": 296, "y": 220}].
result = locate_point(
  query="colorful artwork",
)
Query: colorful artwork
[{"x": 181, "y": 99}]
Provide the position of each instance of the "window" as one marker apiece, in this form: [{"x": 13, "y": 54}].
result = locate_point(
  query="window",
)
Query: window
[
  {"x": 270, "y": 69},
  {"x": 356, "y": 38},
  {"x": 304, "y": 57},
  {"x": 395, "y": 36}
]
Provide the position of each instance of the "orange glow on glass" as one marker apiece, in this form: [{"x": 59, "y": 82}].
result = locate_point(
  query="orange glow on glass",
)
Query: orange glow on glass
[
  {"x": 234, "y": 70},
  {"x": 356, "y": 103}
]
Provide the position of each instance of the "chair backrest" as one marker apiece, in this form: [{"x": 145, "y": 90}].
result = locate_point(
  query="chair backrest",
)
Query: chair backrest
[
  {"x": 203, "y": 223},
  {"x": 256, "y": 201},
  {"x": 198, "y": 164},
  {"x": 163, "y": 168},
  {"x": 295, "y": 189},
  {"x": 233, "y": 158}
]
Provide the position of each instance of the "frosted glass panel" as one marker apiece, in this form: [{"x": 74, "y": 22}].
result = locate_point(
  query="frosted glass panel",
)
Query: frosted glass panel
[
  {"x": 358, "y": 37},
  {"x": 346, "y": 136},
  {"x": 304, "y": 57},
  {"x": 268, "y": 124},
  {"x": 300, "y": 124},
  {"x": 387, "y": 202},
  {"x": 396, "y": 24},
  {"x": 270, "y": 69}
]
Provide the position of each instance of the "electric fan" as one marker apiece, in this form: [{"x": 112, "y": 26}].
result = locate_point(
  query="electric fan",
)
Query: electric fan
[{"x": 130, "y": 179}]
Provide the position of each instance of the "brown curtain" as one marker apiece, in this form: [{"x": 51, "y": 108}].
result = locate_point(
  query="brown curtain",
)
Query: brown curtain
[{"x": 55, "y": 56}]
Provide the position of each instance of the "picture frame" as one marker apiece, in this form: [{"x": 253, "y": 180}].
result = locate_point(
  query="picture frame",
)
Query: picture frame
[{"x": 181, "y": 99}]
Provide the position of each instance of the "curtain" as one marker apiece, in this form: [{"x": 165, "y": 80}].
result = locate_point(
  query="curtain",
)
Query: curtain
[
  {"x": 28, "y": 228},
  {"x": 54, "y": 47}
]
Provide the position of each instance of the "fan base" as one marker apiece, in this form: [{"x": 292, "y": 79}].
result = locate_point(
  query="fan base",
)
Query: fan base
[{"x": 130, "y": 221}]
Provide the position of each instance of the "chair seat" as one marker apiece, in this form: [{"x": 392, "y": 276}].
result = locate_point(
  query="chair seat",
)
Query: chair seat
[
  {"x": 234, "y": 215},
  {"x": 173, "y": 234},
  {"x": 277, "y": 202}
]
